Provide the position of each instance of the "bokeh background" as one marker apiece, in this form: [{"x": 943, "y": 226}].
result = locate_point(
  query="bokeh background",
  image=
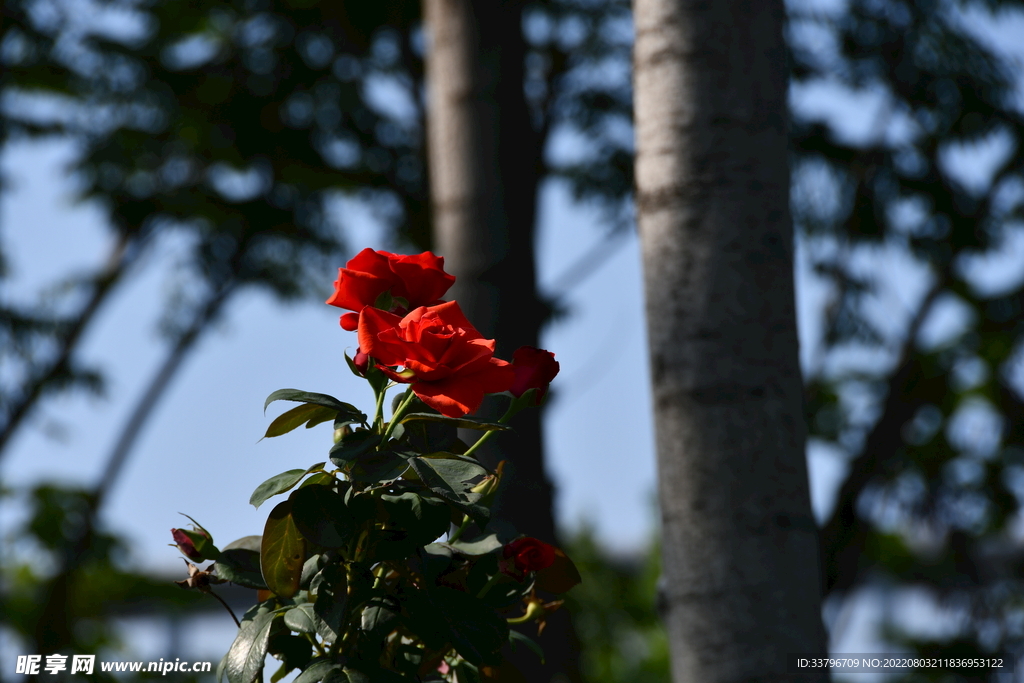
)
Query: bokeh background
[{"x": 184, "y": 182}]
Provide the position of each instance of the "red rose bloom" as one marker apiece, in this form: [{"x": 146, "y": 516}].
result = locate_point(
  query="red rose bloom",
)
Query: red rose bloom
[
  {"x": 526, "y": 555},
  {"x": 449, "y": 363},
  {"x": 418, "y": 279},
  {"x": 535, "y": 368}
]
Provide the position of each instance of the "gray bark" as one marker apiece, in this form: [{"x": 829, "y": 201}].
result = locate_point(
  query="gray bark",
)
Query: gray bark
[
  {"x": 485, "y": 164},
  {"x": 741, "y": 572}
]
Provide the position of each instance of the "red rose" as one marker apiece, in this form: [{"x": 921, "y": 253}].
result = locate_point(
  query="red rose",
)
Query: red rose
[
  {"x": 185, "y": 545},
  {"x": 449, "y": 363},
  {"x": 526, "y": 555},
  {"x": 417, "y": 280},
  {"x": 535, "y": 368}
]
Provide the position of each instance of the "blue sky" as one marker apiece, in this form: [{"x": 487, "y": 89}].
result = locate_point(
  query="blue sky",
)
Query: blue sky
[{"x": 201, "y": 453}]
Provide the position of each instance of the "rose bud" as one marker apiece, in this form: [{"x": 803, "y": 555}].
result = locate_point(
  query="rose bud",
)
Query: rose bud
[
  {"x": 185, "y": 545},
  {"x": 361, "y": 362},
  {"x": 534, "y": 368},
  {"x": 525, "y": 555}
]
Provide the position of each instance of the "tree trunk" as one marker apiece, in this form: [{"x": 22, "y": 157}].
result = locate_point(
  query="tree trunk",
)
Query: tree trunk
[
  {"x": 485, "y": 161},
  {"x": 742, "y": 586}
]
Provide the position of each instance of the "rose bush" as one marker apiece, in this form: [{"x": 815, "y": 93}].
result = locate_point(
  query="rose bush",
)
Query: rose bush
[
  {"x": 382, "y": 564},
  {"x": 404, "y": 282}
]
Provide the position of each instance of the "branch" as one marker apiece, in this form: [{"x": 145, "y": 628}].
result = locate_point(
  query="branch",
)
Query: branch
[
  {"x": 103, "y": 285},
  {"x": 844, "y": 534}
]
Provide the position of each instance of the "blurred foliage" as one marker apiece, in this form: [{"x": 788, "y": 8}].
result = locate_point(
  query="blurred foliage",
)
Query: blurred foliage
[
  {"x": 917, "y": 382},
  {"x": 223, "y": 131},
  {"x": 102, "y": 586},
  {"x": 234, "y": 123},
  {"x": 226, "y": 132},
  {"x": 235, "y": 126},
  {"x": 614, "y": 612}
]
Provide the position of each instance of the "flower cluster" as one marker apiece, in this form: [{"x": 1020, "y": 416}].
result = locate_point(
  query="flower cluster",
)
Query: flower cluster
[
  {"x": 402, "y": 323},
  {"x": 386, "y": 566}
]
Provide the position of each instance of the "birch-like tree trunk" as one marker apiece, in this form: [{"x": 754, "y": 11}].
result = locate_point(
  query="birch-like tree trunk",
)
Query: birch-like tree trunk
[{"x": 741, "y": 568}]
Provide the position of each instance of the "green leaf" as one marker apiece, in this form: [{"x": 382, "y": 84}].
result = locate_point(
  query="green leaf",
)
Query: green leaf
[
  {"x": 317, "y": 670},
  {"x": 353, "y": 446},
  {"x": 311, "y": 568},
  {"x": 300, "y": 618},
  {"x": 245, "y": 543},
  {"x": 421, "y": 518},
  {"x": 221, "y": 665},
  {"x": 515, "y": 636},
  {"x": 452, "y": 480},
  {"x": 321, "y": 516},
  {"x": 314, "y": 398},
  {"x": 282, "y": 552},
  {"x": 379, "y": 616},
  {"x": 279, "y": 484},
  {"x": 294, "y": 651},
  {"x": 435, "y": 559},
  {"x": 245, "y": 658},
  {"x": 481, "y": 546},
  {"x": 239, "y": 563},
  {"x": 456, "y": 475},
  {"x": 384, "y": 301},
  {"x": 319, "y": 479},
  {"x": 462, "y": 422},
  {"x": 447, "y": 615},
  {"x": 352, "y": 366},
  {"x": 299, "y": 415},
  {"x": 331, "y": 605},
  {"x": 378, "y": 467}
]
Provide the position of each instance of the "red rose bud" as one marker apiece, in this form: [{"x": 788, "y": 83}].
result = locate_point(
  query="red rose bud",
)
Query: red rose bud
[
  {"x": 410, "y": 281},
  {"x": 526, "y": 555},
  {"x": 361, "y": 361},
  {"x": 534, "y": 368},
  {"x": 185, "y": 545}
]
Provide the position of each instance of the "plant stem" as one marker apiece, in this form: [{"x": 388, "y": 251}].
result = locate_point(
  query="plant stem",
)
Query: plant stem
[
  {"x": 403, "y": 408},
  {"x": 458, "y": 532},
  {"x": 490, "y": 583},
  {"x": 513, "y": 408},
  {"x": 227, "y": 607},
  {"x": 378, "y": 413},
  {"x": 319, "y": 648}
]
